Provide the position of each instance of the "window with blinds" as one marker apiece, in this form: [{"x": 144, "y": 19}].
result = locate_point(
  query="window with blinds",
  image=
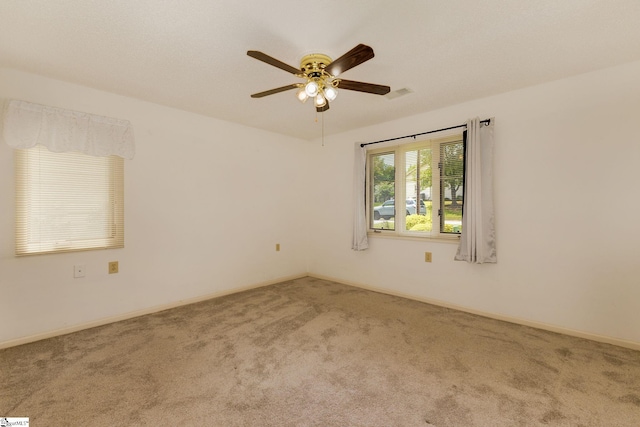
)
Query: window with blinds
[
  {"x": 452, "y": 186},
  {"x": 68, "y": 201},
  {"x": 417, "y": 189}
]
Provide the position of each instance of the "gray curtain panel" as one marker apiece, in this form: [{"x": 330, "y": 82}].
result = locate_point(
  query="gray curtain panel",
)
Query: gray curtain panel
[{"x": 478, "y": 239}]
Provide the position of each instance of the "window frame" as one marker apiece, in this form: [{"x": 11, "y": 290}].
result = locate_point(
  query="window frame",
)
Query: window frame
[
  {"x": 26, "y": 163},
  {"x": 400, "y": 188}
]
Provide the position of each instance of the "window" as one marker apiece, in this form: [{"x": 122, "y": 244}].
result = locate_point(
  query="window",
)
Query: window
[
  {"x": 428, "y": 176},
  {"x": 68, "y": 201}
]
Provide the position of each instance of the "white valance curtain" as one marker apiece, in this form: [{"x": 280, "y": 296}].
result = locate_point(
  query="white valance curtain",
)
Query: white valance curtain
[
  {"x": 27, "y": 124},
  {"x": 478, "y": 239}
]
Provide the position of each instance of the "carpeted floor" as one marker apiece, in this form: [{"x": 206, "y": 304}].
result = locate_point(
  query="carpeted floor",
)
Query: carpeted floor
[{"x": 315, "y": 353}]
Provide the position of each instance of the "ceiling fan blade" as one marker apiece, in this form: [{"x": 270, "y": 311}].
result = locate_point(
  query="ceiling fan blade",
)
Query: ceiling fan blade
[
  {"x": 276, "y": 90},
  {"x": 272, "y": 61},
  {"x": 363, "y": 87},
  {"x": 323, "y": 109},
  {"x": 355, "y": 56}
]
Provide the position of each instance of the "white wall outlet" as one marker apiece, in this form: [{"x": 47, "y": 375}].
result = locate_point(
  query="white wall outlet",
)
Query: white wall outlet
[{"x": 78, "y": 271}]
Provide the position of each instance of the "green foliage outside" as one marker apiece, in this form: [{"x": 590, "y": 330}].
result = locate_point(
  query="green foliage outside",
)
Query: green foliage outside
[
  {"x": 415, "y": 223},
  {"x": 451, "y": 211},
  {"x": 423, "y": 223},
  {"x": 421, "y": 227},
  {"x": 418, "y": 223}
]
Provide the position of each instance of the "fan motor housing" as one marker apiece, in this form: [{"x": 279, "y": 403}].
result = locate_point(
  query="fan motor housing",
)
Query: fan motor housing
[{"x": 313, "y": 65}]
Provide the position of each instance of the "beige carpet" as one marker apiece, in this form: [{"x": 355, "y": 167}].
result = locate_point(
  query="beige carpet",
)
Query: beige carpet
[{"x": 315, "y": 353}]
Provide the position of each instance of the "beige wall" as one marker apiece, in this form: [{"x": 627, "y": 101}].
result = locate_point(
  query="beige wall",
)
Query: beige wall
[
  {"x": 205, "y": 203},
  {"x": 567, "y": 157}
]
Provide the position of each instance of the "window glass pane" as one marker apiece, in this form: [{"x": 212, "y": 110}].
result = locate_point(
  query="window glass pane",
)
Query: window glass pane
[
  {"x": 418, "y": 189},
  {"x": 382, "y": 195},
  {"x": 452, "y": 186}
]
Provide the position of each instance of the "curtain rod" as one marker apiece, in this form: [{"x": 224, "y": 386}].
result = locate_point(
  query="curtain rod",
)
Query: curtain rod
[{"x": 486, "y": 121}]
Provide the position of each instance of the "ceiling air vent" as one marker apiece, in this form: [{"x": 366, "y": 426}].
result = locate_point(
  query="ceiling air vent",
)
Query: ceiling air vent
[{"x": 398, "y": 93}]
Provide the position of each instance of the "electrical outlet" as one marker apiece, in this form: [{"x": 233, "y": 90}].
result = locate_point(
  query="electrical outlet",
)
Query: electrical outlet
[
  {"x": 78, "y": 271},
  {"x": 427, "y": 257},
  {"x": 277, "y": 247},
  {"x": 113, "y": 267}
]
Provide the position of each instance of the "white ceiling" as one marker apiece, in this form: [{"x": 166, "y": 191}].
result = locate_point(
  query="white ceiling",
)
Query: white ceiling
[{"x": 191, "y": 54}]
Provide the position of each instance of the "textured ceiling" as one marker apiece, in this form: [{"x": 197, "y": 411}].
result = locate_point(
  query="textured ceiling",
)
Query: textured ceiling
[{"x": 191, "y": 54}]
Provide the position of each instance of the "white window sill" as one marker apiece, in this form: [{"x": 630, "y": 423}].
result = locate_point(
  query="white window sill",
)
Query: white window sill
[{"x": 391, "y": 235}]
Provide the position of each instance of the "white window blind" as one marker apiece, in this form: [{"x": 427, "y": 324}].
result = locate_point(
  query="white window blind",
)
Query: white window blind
[{"x": 68, "y": 201}]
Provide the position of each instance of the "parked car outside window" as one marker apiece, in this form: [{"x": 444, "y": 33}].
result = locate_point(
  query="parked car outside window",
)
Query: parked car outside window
[{"x": 387, "y": 209}]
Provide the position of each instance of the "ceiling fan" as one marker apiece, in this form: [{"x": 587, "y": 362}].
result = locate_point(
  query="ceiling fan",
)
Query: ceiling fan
[{"x": 320, "y": 76}]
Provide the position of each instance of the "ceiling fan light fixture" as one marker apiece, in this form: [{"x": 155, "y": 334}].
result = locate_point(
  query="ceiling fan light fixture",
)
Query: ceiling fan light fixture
[
  {"x": 311, "y": 88},
  {"x": 320, "y": 100},
  {"x": 319, "y": 73},
  {"x": 330, "y": 93},
  {"x": 302, "y": 95}
]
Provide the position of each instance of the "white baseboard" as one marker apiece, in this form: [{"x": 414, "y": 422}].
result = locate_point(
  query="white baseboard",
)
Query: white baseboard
[
  {"x": 137, "y": 313},
  {"x": 538, "y": 325}
]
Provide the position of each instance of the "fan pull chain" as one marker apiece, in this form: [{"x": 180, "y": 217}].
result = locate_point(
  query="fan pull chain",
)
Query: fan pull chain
[
  {"x": 322, "y": 129},
  {"x": 321, "y": 125}
]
